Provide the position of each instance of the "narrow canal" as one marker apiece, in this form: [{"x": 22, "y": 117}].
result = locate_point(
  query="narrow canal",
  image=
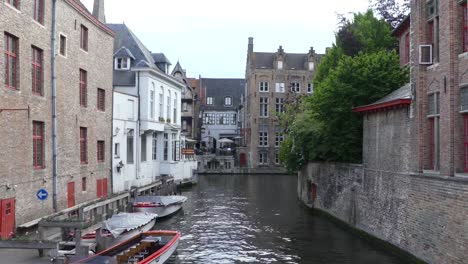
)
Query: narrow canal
[{"x": 258, "y": 219}]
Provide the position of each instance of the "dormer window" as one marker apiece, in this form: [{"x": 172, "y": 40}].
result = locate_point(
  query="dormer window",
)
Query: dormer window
[
  {"x": 280, "y": 65},
  {"x": 311, "y": 66},
  {"x": 122, "y": 63}
]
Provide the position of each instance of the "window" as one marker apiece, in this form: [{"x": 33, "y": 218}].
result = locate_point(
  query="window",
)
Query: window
[
  {"x": 184, "y": 125},
  {"x": 465, "y": 27},
  {"x": 39, "y": 11},
  {"x": 168, "y": 108},
  {"x": 11, "y": 61},
  {"x": 130, "y": 138},
  {"x": 122, "y": 63},
  {"x": 433, "y": 116},
  {"x": 311, "y": 66},
  {"x": 434, "y": 104},
  {"x": 152, "y": 109},
  {"x": 310, "y": 88},
  {"x": 279, "y": 105},
  {"x": 464, "y": 98},
  {"x": 101, "y": 99},
  {"x": 280, "y": 65},
  {"x": 184, "y": 107},
  {"x": 131, "y": 109},
  {"x": 263, "y": 86},
  {"x": 38, "y": 145},
  {"x": 174, "y": 109},
  {"x": 83, "y": 88},
  {"x": 166, "y": 146},
  {"x": 407, "y": 48},
  {"x": 432, "y": 7},
  {"x": 277, "y": 161},
  {"x": 83, "y": 184},
  {"x": 295, "y": 87},
  {"x": 263, "y": 107},
  {"x": 155, "y": 146},
  {"x": 161, "y": 107},
  {"x": 84, "y": 38},
  {"x": 279, "y": 137},
  {"x": 101, "y": 150},
  {"x": 117, "y": 150},
  {"x": 263, "y": 139},
  {"x": 63, "y": 45},
  {"x": 143, "y": 148},
  {"x": 83, "y": 145},
  {"x": 209, "y": 100},
  {"x": 175, "y": 148},
  {"x": 14, "y": 3},
  {"x": 228, "y": 100},
  {"x": 37, "y": 71},
  {"x": 279, "y": 87},
  {"x": 263, "y": 158}
]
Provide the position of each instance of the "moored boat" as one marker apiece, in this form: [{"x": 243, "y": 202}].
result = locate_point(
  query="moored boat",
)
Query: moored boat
[
  {"x": 152, "y": 247},
  {"x": 161, "y": 205},
  {"x": 123, "y": 226}
]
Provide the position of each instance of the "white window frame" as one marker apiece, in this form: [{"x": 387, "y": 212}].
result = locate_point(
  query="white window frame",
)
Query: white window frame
[
  {"x": 262, "y": 158},
  {"x": 228, "y": 101},
  {"x": 123, "y": 65},
  {"x": 280, "y": 65},
  {"x": 279, "y": 88},
  {"x": 295, "y": 87},
  {"x": 263, "y": 87},
  {"x": 209, "y": 100},
  {"x": 263, "y": 107},
  {"x": 263, "y": 138},
  {"x": 310, "y": 88}
]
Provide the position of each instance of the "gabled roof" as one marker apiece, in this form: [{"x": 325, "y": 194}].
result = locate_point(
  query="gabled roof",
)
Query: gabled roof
[
  {"x": 398, "y": 98},
  {"x": 124, "y": 38},
  {"x": 221, "y": 88},
  {"x": 123, "y": 52},
  {"x": 160, "y": 58},
  {"x": 292, "y": 61},
  {"x": 178, "y": 68},
  {"x": 403, "y": 26}
]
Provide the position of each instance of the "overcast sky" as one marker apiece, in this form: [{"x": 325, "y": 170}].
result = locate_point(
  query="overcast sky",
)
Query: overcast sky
[{"x": 209, "y": 37}]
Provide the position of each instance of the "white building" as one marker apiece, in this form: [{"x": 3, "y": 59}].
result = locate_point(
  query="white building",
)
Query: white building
[{"x": 147, "y": 141}]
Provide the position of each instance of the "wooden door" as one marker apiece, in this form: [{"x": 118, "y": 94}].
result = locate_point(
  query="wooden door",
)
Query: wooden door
[
  {"x": 71, "y": 194},
  {"x": 7, "y": 218},
  {"x": 243, "y": 160}
]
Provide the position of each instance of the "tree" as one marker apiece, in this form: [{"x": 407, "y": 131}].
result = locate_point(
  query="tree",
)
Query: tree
[{"x": 391, "y": 10}]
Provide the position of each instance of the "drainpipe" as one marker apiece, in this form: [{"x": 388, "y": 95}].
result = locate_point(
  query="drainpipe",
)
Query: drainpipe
[
  {"x": 137, "y": 164},
  {"x": 54, "y": 107}
]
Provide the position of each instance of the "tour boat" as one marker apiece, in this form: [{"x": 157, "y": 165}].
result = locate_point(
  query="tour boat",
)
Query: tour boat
[
  {"x": 160, "y": 205},
  {"x": 152, "y": 247},
  {"x": 121, "y": 227}
]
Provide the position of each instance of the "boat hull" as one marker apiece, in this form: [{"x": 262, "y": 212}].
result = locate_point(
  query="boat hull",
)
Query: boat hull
[
  {"x": 161, "y": 211},
  {"x": 164, "y": 256}
]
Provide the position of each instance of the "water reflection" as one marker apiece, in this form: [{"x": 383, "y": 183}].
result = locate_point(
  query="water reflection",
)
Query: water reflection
[{"x": 258, "y": 219}]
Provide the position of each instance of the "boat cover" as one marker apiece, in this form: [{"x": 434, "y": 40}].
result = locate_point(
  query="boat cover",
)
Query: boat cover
[
  {"x": 164, "y": 200},
  {"x": 122, "y": 222}
]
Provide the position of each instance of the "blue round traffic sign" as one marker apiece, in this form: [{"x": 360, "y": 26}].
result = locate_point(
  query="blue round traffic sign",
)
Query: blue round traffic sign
[{"x": 42, "y": 194}]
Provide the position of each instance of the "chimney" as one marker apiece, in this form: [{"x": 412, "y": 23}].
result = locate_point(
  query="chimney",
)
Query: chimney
[
  {"x": 98, "y": 10},
  {"x": 250, "y": 45}
]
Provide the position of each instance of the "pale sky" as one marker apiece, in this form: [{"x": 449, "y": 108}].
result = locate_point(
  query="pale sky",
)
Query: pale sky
[{"x": 209, "y": 37}]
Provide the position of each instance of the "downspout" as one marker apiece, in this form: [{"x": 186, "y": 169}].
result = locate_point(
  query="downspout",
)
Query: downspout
[
  {"x": 54, "y": 108},
  {"x": 137, "y": 164}
]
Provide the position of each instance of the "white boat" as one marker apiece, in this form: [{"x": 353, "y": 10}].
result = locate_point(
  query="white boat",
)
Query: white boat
[
  {"x": 153, "y": 247},
  {"x": 161, "y": 205},
  {"x": 123, "y": 226}
]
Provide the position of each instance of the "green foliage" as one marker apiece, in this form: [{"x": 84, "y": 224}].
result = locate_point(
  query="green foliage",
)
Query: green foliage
[{"x": 323, "y": 127}]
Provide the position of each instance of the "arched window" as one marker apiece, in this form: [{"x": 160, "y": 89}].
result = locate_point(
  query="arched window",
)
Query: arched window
[{"x": 161, "y": 103}]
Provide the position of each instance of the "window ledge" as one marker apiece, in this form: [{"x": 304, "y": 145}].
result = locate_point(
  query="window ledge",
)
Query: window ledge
[
  {"x": 433, "y": 67},
  {"x": 463, "y": 55},
  {"x": 13, "y": 8},
  {"x": 85, "y": 51},
  {"x": 38, "y": 23}
]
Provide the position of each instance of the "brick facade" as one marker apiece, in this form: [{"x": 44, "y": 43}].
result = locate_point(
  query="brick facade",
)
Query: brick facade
[
  {"x": 18, "y": 177},
  {"x": 264, "y": 67}
]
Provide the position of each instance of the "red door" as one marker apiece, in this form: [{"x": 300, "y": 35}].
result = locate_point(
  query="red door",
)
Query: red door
[
  {"x": 71, "y": 194},
  {"x": 243, "y": 160},
  {"x": 7, "y": 218}
]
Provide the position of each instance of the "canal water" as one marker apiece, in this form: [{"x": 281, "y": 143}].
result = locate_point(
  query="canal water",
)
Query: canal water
[{"x": 258, "y": 219}]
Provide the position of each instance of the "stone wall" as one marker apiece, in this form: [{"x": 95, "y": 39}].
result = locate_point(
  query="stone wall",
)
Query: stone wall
[{"x": 422, "y": 214}]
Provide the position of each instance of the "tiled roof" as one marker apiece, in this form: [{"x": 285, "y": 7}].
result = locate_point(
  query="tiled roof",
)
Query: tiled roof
[
  {"x": 397, "y": 98},
  {"x": 221, "y": 88}
]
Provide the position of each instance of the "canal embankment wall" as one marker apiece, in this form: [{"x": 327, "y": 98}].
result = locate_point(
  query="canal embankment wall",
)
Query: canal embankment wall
[{"x": 424, "y": 215}]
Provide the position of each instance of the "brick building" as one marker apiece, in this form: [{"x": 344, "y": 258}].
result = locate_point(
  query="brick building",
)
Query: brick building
[
  {"x": 272, "y": 80},
  {"x": 84, "y": 48}
]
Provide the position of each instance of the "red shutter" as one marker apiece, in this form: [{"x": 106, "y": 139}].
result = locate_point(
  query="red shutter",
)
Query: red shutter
[
  {"x": 99, "y": 188},
  {"x": 71, "y": 194},
  {"x": 7, "y": 218},
  {"x": 104, "y": 188}
]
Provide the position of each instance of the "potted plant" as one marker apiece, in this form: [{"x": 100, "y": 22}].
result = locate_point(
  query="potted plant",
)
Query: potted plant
[
  {"x": 168, "y": 120},
  {"x": 161, "y": 119}
]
